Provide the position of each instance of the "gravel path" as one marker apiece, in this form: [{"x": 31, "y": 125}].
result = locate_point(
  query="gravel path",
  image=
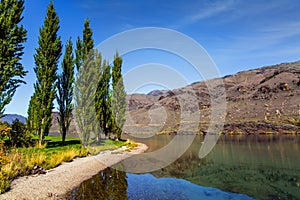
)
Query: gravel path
[{"x": 60, "y": 180}]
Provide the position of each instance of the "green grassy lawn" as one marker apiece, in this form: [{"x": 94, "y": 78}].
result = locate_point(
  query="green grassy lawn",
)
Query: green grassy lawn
[
  {"x": 105, "y": 145},
  {"x": 20, "y": 161}
]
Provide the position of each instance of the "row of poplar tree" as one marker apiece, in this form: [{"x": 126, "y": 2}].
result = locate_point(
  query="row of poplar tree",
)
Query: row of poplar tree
[{"x": 94, "y": 95}]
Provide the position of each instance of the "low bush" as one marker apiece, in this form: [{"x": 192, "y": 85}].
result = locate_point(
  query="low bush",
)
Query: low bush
[
  {"x": 4, "y": 183},
  {"x": 131, "y": 144},
  {"x": 9, "y": 166},
  {"x": 19, "y": 135},
  {"x": 4, "y": 130},
  {"x": 295, "y": 121}
]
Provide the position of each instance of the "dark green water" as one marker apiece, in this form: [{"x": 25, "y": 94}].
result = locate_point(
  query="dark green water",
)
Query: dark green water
[{"x": 239, "y": 167}]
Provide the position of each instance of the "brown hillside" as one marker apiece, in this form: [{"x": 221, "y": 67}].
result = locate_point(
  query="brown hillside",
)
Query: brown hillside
[{"x": 258, "y": 101}]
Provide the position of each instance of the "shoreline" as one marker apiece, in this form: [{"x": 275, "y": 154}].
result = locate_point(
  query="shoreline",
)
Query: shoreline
[
  {"x": 249, "y": 128},
  {"x": 57, "y": 182}
]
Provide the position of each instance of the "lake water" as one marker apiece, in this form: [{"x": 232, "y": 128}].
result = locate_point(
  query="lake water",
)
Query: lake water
[{"x": 238, "y": 167}]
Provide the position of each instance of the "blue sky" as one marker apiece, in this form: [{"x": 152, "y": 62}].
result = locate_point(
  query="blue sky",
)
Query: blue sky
[{"x": 237, "y": 34}]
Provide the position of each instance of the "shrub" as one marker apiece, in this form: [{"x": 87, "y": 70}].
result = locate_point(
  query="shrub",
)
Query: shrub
[
  {"x": 131, "y": 144},
  {"x": 3, "y": 155},
  {"x": 19, "y": 135},
  {"x": 4, "y": 130},
  {"x": 4, "y": 180},
  {"x": 4, "y": 183}
]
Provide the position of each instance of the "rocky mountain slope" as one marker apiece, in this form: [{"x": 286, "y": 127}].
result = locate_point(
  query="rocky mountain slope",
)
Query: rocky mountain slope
[
  {"x": 12, "y": 117},
  {"x": 264, "y": 100}
]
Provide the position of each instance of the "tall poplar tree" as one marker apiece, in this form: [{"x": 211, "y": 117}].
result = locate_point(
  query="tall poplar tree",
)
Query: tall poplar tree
[
  {"x": 65, "y": 87},
  {"x": 88, "y": 62},
  {"x": 12, "y": 35},
  {"x": 46, "y": 61},
  {"x": 84, "y": 96},
  {"x": 118, "y": 96}
]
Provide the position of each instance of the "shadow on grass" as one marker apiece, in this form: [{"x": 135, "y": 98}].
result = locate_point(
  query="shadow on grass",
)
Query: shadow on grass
[
  {"x": 52, "y": 144},
  {"x": 98, "y": 143}
]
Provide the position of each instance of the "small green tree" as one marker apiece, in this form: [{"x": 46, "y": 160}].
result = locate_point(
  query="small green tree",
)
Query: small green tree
[
  {"x": 118, "y": 96},
  {"x": 65, "y": 91},
  {"x": 12, "y": 35},
  {"x": 46, "y": 61}
]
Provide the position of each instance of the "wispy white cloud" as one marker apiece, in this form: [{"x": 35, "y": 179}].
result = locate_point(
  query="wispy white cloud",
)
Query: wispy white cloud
[
  {"x": 266, "y": 37},
  {"x": 204, "y": 11},
  {"x": 282, "y": 31},
  {"x": 88, "y": 4},
  {"x": 210, "y": 11}
]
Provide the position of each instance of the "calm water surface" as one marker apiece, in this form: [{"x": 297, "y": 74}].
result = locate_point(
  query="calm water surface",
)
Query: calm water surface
[{"x": 239, "y": 167}]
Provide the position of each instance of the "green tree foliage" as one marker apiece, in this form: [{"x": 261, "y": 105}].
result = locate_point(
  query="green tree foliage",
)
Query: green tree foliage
[
  {"x": 32, "y": 122},
  {"x": 79, "y": 53},
  {"x": 16, "y": 133},
  {"x": 88, "y": 62},
  {"x": 88, "y": 42},
  {"x": 103, "y": 99},
  {"x": 65, "y": 90},
  {"x": 118, "y": 96},
  {"x": 46, "y": 61},
  {"x": 84, "y": 46},
  {"x": 84, "y": 96},
  {"x": 19, "y": 136},
  {"x": 12, "y": 35},
  {"x": 92, "y": 91}
]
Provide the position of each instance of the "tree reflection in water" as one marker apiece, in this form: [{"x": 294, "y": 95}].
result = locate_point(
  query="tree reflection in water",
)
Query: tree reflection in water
[
  {"x": 108, "y": 184},
  {"x": 263, "y": 167}
]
